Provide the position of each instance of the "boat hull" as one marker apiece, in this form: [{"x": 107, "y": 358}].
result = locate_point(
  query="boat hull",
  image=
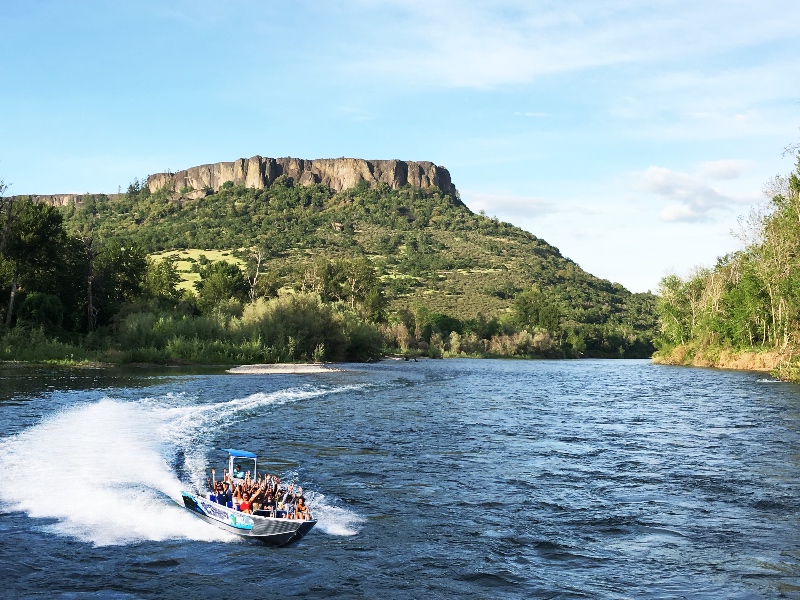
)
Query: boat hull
[{"x": 269, "y": 530}]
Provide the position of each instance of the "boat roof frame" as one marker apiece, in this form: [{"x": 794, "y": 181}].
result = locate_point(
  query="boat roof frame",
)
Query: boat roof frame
[{"x": 240, "y": 453}]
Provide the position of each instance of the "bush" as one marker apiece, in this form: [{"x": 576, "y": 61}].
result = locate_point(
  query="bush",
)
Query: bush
[
  {"x": 298, "y": 324},
  {"x": 41, "y": 310},
  {"x": 33, "y": 345},
  {"x": 364, "y": 339}
]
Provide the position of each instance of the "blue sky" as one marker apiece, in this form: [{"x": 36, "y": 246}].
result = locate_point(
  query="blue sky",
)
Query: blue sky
[{"x": 631, "y": 135}]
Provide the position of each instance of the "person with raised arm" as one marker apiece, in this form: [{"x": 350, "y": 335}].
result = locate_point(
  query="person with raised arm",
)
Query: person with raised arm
[
  {"x": 246, "y": 506},
  {"x": 226, "y": 495}
]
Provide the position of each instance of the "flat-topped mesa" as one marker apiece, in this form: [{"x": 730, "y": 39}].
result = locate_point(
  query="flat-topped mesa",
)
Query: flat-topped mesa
[{"x": 337, "y": 173}]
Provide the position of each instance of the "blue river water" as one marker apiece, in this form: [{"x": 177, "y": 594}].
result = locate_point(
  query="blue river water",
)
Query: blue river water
[{"x": 450, "y": 478}]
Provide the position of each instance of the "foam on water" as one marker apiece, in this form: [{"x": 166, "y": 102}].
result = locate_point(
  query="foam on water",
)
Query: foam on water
[
  {"x": 333, "y": 520},
  {"x": 103, "y": 473},
  {"x": 98, "y": 472}
]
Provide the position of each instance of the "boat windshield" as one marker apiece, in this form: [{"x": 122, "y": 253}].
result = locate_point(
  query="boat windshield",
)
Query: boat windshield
[
  {"x": 240, "y": 462},
  {"x": 240, "y": 466}
]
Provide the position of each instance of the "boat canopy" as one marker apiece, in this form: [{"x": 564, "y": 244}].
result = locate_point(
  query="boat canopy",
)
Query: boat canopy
[{"x": 240, "y": 453}]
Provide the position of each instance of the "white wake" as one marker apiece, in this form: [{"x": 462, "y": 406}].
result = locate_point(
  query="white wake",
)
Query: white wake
[{"x": 102, "y": 473}]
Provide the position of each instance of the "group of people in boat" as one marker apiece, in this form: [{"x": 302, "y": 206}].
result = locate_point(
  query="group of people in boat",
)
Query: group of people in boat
[{"x": 264, "y": 495}]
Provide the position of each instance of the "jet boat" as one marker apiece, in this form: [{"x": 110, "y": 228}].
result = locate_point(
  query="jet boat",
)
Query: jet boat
[{"x": 269, "y": 526}]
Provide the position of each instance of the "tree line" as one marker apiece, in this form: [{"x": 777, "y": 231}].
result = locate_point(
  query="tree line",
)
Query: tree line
[
  {"x": 72, "y": 295},
  {"x": 750, "y": 300}
]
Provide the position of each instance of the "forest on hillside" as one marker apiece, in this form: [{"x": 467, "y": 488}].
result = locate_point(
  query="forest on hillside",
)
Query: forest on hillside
[
  {"x": 318, "y": 275},
  {"x": 749, "y": 300}
]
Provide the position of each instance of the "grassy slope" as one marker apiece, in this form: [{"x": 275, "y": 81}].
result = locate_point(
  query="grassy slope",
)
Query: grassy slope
[{"x": 186, "y": 259}]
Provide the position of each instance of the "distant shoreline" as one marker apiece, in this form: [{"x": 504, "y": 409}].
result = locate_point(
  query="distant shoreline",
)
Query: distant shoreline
[
  {"x": 266, "y": 369},
  {"x": 775, "y": 362}
]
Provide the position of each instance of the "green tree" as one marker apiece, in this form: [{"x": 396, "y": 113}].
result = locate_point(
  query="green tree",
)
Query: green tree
[
  {"x": 744, "y": 304},
  {"x": 62, "y": 276},
  {"x": 220, "y": 281},
  {"x": 119, "y": 276},
  {"x": 362, "y": 287},
  {"x": 534, "y": 310},
  {"x": 422, "y": 321},
  {"x": 6, "y": 214},
  {"x": 35, "y": 236},
  {"x": 41, "y": 310},
  {"x": 674, "y": 310},
  {"x": 445, "y": 325},
  {"x": 299, "y": 326},
  {"x": 161, "y": 279},
  {"x": 353, "y": 281}
]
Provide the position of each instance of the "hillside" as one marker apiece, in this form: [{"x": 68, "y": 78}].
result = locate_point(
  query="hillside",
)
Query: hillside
[{"x": 428, "y": 248}]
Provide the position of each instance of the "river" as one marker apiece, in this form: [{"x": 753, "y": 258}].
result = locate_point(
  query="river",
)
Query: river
[{"x": 449, "y": 478}]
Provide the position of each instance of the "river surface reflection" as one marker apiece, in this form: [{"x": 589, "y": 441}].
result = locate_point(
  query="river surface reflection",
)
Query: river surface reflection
[{"x": 454, "y": 478}]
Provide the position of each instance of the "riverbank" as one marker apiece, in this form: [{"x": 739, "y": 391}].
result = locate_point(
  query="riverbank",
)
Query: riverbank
[
  {"x": 780, "y": 364},
  {"x": 284, "y": 368}
]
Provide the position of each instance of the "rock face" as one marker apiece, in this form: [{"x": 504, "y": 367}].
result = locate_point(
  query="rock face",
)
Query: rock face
[
  {"x": 337, "y": 173},
  {"x": 64, "y": 199},
  {"x": 58, "y": 199}
]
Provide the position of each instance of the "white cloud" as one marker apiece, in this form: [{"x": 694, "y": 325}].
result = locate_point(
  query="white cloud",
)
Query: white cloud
[
  {"x": 723, "y": 169},
  {"x": 506, "y": 206},
  {"x": 673, "y": 184},
  {"x": 483, "y": 44},
  {"x": 681, "y": 212},
  {"x": 692, "y": 197}
]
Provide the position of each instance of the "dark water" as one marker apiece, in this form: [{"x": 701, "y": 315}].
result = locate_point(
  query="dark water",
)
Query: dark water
[{"x": 458, "y": 478}]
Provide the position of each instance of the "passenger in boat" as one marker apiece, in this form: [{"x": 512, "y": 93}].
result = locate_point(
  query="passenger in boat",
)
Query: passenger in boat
[
  {"x": 237, "y": 496},
  {"x": 237, "y": 472},
  {"x": 245, "y": 506},
  {"x": 257, "y": 497},
  {"x": 268, "y": 502},
  {"x": 224, "y": 496},
  {"x": 217, "y": 489},
  {"x": 301, "y": 509}
]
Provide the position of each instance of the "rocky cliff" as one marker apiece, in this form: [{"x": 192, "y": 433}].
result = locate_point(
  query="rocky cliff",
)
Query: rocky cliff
[
  {"x": 259, "y": 172},
  {"x": 57, "y": 199},
  {"x": 337, "y": 173}
]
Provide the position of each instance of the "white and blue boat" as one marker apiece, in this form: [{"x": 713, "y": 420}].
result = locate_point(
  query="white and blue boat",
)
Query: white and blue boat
[{"x": 270, "y": 527}]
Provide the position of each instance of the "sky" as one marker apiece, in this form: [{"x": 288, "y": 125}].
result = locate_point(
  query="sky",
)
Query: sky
[{"x": 631, "y": 135}]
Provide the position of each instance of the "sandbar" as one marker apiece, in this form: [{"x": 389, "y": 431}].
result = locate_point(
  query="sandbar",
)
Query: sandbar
[{"x": 282, "y": 368}]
